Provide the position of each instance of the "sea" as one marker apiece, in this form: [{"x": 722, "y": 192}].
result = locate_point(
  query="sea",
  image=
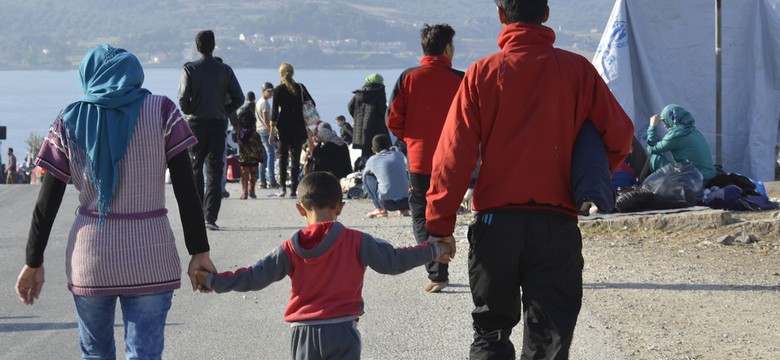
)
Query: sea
[{"x": 30, "y": 100}]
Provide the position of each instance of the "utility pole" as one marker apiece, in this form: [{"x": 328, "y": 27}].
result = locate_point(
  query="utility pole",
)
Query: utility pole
[{"x": 718, "y": 85}]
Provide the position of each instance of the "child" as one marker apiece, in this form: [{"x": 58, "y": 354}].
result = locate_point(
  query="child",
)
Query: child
[
  {"x": 346, "y": 129},
  {"x": 326, "y": 263}
]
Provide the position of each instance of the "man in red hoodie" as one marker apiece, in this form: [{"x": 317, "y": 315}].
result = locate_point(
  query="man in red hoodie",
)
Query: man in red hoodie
[
  {"x": 521, "y": 110},
  {"x": 418, "y": 107}
]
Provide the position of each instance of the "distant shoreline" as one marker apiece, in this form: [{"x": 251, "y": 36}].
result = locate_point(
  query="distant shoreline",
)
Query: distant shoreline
[{"x": 172, "y": 66}]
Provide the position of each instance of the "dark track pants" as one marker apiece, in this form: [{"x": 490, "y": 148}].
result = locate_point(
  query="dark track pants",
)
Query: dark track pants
[
  {"x": 417, "y": 203},
  {"x": 209, "y": 150},
  {"x": 530, "y": 262}
]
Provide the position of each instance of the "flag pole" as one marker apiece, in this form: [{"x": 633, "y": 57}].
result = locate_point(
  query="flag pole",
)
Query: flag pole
[{"x": 718, "y": 85}]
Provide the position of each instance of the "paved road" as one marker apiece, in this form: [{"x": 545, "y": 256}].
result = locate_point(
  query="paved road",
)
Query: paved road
[{"x": 401, "y": 321}]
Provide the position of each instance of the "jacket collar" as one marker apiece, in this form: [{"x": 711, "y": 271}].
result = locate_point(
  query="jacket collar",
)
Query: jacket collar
[
  {"x": 435, "y": 60},
  {"x": 520, "y": 34}
]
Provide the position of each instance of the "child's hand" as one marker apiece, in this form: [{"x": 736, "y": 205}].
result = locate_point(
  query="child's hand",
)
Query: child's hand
[
  {"x": 201, "y": 277},
  {"x": 447, "y": 244}
]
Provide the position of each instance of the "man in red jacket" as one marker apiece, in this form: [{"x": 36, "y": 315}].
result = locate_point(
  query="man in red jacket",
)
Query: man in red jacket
[
  {"x": 521, "y": 110},
  {"x": 418, "y": 107}
]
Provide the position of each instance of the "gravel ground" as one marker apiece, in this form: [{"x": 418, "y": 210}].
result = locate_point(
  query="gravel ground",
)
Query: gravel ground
[{"x": 682, "y": 294}]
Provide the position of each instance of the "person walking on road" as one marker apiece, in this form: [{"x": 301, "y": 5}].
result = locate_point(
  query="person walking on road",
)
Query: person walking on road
[
  {"x": 10, "y": 169},
  {"x": 521, "y": 109},
  {"x": 203, "y": 88},
  {"x": 114, "y": 144},
  {"x": 419, "y": 104},
  {"x": 326, "y": 263},
  {"x": 288, "y": 125}
]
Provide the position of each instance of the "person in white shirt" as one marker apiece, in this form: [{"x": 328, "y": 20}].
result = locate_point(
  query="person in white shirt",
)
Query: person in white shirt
[{"x": 263, "y": 115}]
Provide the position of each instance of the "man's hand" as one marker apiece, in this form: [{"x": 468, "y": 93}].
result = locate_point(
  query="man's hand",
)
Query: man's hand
[
  {"x": 200, "y": 263},
  {"x": 29, "y": 284},
  {"x": 448, "y": 247}
]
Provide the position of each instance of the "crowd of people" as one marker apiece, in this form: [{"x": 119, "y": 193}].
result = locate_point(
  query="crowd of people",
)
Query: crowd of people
[{"x": 528, "y": 123}]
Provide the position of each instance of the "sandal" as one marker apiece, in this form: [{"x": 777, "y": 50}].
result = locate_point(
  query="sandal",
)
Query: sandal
[{"x": 376, "y": 213}]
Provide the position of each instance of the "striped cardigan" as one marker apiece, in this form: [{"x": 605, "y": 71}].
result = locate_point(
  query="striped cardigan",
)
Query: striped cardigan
[{"x": 135, "y": 251}]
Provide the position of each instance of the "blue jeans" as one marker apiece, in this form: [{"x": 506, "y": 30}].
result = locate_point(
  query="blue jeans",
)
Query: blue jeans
[
  {"x": 143, "y": 316},
  {"x": 372, "y": 188},
  {"x": 268, "y": 165}
]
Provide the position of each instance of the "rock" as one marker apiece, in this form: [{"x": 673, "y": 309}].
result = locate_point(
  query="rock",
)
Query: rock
[
  {"x": 746, "y": 238},
  {"x": 726, "y": 240}
]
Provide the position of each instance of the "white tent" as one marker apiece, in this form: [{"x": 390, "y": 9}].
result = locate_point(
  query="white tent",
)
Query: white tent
[{"x": 659, "y": 52}]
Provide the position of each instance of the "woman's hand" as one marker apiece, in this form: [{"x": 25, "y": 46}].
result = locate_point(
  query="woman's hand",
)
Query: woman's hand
[
  {"x": 29, "y": 284},
  {"x": 655, "y": 120},
  {"x": 200, "y": 262}
]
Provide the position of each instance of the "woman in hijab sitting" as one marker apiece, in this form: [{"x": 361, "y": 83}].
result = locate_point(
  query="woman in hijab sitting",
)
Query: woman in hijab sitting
[
  {"x": 682, "y": 140},
  {"x": 331, "y": 154},
  {"x": 114, "y": 144}
]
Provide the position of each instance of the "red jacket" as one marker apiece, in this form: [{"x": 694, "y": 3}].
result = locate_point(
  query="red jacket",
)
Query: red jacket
[
  {"x": 419, "y": 105},
  {"x": 522, "y": 108}
]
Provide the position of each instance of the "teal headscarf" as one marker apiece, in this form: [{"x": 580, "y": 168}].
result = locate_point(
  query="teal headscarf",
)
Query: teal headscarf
[
  {"x": 103, "y": 120},
  {"x": 679, "y": 122}
]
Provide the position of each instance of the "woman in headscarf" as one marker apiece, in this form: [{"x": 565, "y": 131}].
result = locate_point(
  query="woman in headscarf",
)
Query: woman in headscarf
[
  {"x": 682, "y": 140},
  {"x": 331, "y": 154},
  {"x": 368, "y": 108},
  {"x": 290, "y": 128},
  {"x": 114, "y": 145}
]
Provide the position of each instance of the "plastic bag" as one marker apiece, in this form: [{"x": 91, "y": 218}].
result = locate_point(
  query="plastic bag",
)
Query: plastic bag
[{"x": 675, "y": 185}]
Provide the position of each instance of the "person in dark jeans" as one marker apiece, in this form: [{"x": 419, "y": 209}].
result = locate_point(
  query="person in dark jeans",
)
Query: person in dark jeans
[
  {"x": 520, "y": 111},
  {"x": 203, "y": 88},
  {"x": 418, "y": 108}
]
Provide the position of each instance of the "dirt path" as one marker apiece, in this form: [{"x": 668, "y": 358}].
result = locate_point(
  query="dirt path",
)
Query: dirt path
[{"x": 681, "y": 294}]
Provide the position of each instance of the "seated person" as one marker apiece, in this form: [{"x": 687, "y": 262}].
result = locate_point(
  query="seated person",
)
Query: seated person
[
  {"x": 330, "y": 154},
  {"x": 385, "y": 179},
  {"x": 629, "y": 172},
  {"x": 682, "y": 140}
]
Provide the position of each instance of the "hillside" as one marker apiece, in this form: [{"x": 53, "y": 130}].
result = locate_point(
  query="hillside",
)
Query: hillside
[{"x": 317, "y": 33}]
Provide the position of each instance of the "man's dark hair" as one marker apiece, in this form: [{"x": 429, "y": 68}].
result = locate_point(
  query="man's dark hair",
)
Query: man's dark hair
[
  {"x": 527, "y": 11},
  {"x": 10, "y": 150},
  {"x": 435, "y": 38},
  {"x": 319, "y": 190},
  {"x": 250, "y": 96},
  {"x": 381, "y": 142},
  {"x": 341, "y": 117},
  {"x": 204, "y": 41}
]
